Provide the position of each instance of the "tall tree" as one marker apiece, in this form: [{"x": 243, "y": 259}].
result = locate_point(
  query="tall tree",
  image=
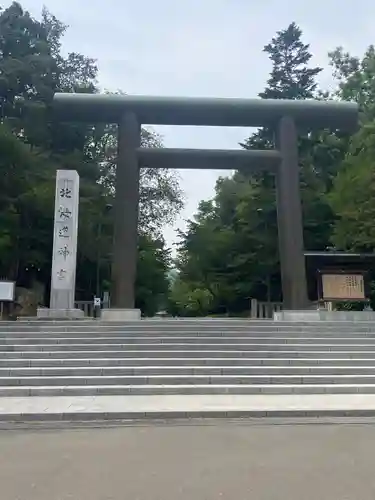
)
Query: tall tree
[
  {"x": 231, "y": 250},
  {"x": 355, "y": 77},
  {"x": 152, "y": 278},
  {"x": 32, "y": 69},
  {"x": 352, "y": 196},
  {"x": 159, "y": 185},
  {"x": 290, "y": 77}
]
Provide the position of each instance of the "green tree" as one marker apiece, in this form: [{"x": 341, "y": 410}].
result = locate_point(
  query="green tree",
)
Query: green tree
[
  {"x": 352, "y": 194},
  {"x": 353, "y": 197},
  {"x": 231, "y": 248},
  {"x": 290, "y": 77},
  {"x": 25, "y": 197},
  {"x": 152, "y": 278},
  {"x": 187, "y": 299},
  {"x": 160, "y": 196},
  {"x": 355, "y": 77},
  {"x": 32, "y": 69}
]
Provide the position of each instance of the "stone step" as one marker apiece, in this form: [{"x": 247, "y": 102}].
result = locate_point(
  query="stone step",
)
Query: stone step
[
  {"x": 196, "y": 357},
  {"x": 138, "y": 326},
  {"x": 151, "y": 370},
  {"x": 182, "y": 346},
  {"x": 180, "y": 321},
  {"x": 171, "y": 340},
  {"x": 190, "y": 337},
  {"x": 205, "y": 389},
  {"x": 214, "y": 333},
  {"x": 196, "y": 353},
  {"x": 133, "y": 330},
  {"x": 68, "y": 409},
  {"x": 181, "y": 362},
  {"x": 182, "y": 325},
  {"x": 144, "y": 322},
  {"x": 186, "y": 328},
  {"x": 171, "y": 380}
]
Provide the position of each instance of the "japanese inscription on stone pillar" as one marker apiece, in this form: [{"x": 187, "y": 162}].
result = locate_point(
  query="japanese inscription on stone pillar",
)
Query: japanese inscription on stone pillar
[{"x": 65, "y": 240}]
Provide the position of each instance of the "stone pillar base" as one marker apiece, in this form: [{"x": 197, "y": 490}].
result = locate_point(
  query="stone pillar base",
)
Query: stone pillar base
[
  {"x": 46, "y": 313},
  {"x": 120, "y": 314}
]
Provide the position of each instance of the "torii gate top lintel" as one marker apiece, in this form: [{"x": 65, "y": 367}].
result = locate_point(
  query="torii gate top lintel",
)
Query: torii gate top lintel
[{"x": 225, "y": 112}]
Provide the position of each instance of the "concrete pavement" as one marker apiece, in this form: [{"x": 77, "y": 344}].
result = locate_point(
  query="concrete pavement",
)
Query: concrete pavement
[{"x": 221, "y": 461}]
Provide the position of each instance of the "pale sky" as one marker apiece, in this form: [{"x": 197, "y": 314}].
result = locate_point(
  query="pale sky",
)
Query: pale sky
[{"x": 201, "y": 48}]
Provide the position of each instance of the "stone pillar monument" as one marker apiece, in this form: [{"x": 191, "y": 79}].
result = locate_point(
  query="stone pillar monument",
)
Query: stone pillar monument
[{"x": 63, "y": 275}]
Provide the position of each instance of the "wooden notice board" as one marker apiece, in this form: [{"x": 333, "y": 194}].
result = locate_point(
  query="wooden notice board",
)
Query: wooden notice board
[{"x": 343, "y": 286}]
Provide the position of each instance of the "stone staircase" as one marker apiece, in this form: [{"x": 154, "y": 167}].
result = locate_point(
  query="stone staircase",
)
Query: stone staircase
[{"x": 186, "y": 357}]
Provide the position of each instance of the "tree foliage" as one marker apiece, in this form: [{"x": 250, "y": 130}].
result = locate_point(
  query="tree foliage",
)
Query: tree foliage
[
  {"x": 32, "y": 69},
  {"x": 352, "y": 195},
  {"x": 229, "y": 251},
  {"x": 291, "y": 77}
]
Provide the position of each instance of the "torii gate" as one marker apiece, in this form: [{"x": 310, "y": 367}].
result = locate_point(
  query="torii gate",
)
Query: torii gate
[{"x": 130, "y": 112}]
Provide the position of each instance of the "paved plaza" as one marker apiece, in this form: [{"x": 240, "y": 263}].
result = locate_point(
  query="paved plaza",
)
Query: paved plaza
[{"x": 216, "y": 460}]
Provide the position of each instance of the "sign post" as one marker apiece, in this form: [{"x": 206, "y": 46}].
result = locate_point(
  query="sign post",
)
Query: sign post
[
  {"x": 97, "y": 307},
  {"x": 63, "y": 275},
  {"x": 347, "y": 285},
  {"x": 7, "y": 294}
]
